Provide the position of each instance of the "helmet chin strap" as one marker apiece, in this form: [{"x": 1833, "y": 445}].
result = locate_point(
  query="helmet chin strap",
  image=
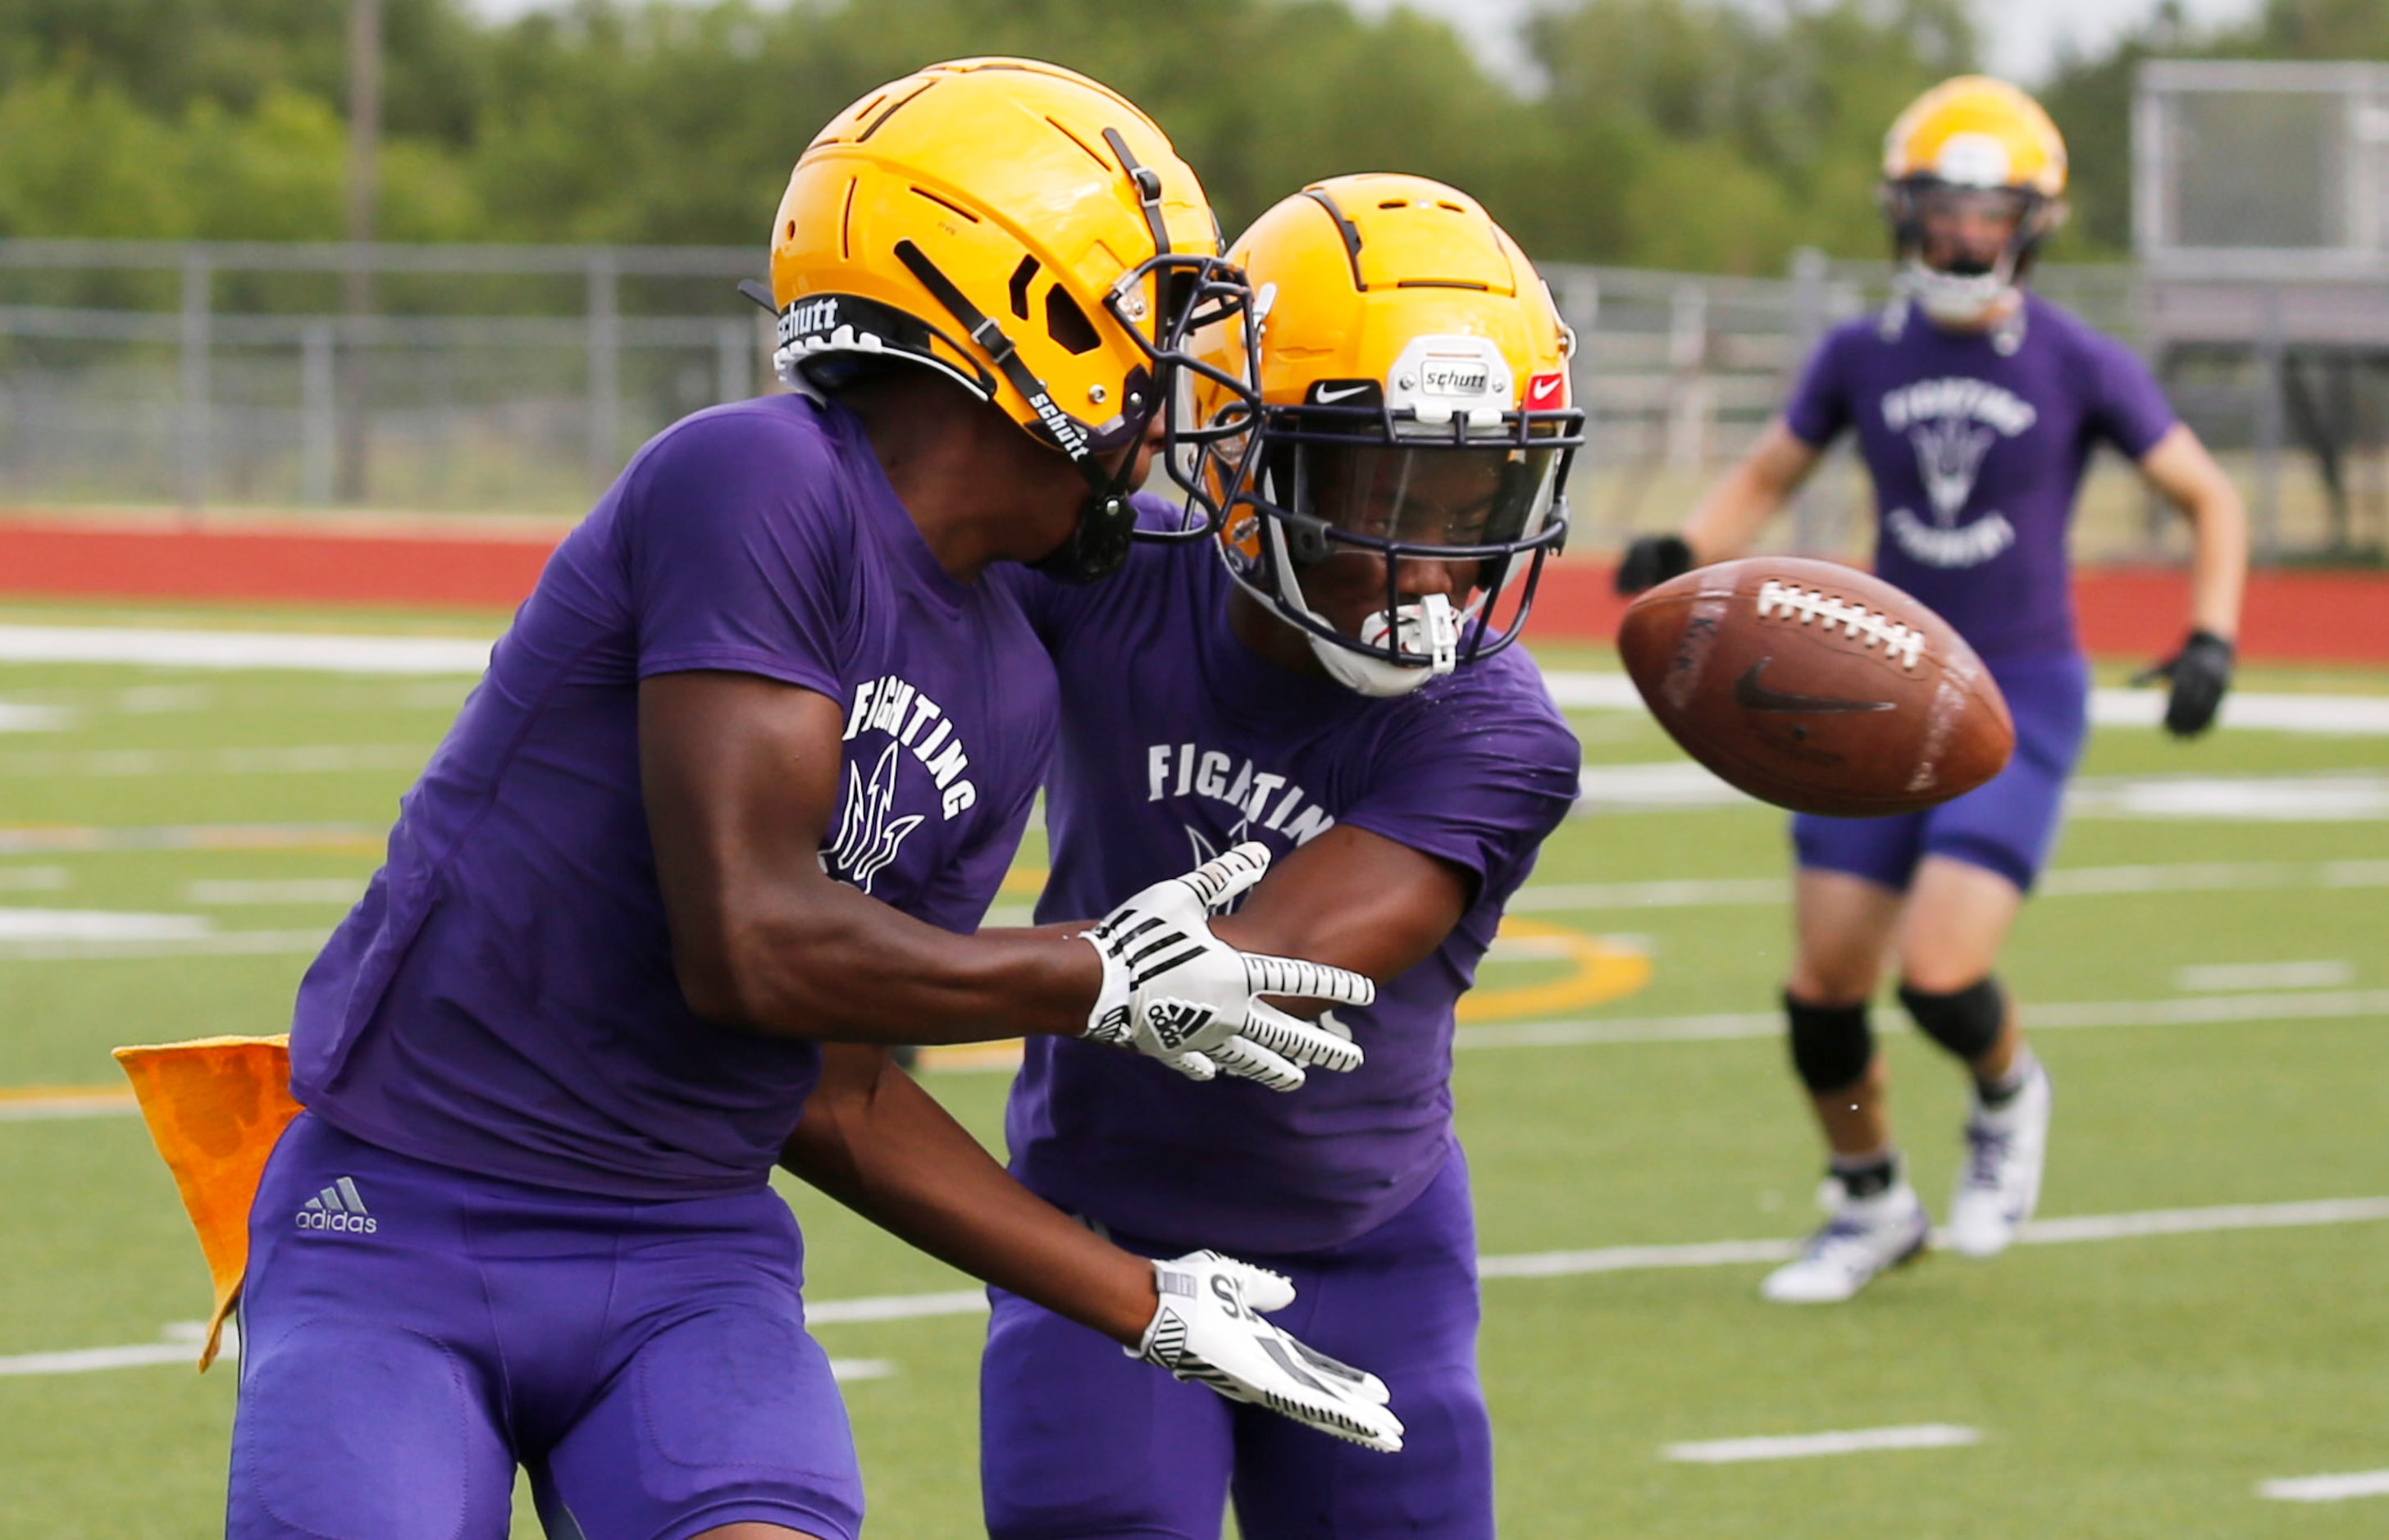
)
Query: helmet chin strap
[{"x": 1428, "y": 627}]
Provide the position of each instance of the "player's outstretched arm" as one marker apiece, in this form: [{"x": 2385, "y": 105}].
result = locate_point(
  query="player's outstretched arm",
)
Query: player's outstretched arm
[
  {"x": 1727, "y": 517},
  {"x": 875, "y": 1140},
  {"x": 2179, "y": 467},
  {"x": 1354, "y": 899},
  {"x": 740, "y": 776}
]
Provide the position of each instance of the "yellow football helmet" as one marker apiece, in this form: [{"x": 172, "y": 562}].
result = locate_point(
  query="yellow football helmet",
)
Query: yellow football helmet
[
  {"x": 1025, "y": 232},
  {"x": 1413, "y": 380},
  {"x": 1980, "y": 142}
]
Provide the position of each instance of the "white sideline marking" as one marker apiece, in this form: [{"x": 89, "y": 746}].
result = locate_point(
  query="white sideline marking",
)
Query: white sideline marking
[
  {"x": 1608, "y": 1259},
  {"x": 81, "y": 925},
  {"x": 58, "y": 934},
  {"x": 182, "y": 1340},
  {"x": 2061, "y": 883},
  {"x": 2207, "y": 979},
  {"x": 343, "y": 891},
  {"x": 1729, "y": 1451},
  {"x": 295, "y": 760},
  {"x": 1728, "y": 1026},
  {"x": 2351, "y": 795},
  {"x": 897, "y": 1307},
  {"x": 2320, "y": 798},
  {"x": 2336, "y": 716},
  {"x": 17, "y": 717},
  {"x": 322, "y": 653},
  {"x": 2197, "y": 1009},
  {"x": 340, "y": 653},
  {"x": 51, "y": 839},
  {"x": 2326, "y": 1489},
  {"x": 1725, "y": 1253}
]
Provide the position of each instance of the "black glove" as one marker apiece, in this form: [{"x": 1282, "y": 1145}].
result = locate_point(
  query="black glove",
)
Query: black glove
[
  {"x": 2199, "y": 673},
  {"x": 1651, "y": 560}
]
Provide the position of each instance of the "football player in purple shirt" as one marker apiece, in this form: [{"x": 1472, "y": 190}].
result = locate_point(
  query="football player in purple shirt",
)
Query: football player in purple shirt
[
  {"x": 740, "y": 781},
  {"x": 1341, "y": 688},
  {"x": 1976, "y": 405}
]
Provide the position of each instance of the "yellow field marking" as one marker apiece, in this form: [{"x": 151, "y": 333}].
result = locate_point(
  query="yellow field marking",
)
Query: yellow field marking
[
  {"x": 1024, "y": 882},
  {"x": 1604, "y": 970},
  {"x": 966, "y": 1057},
  {"x": 27, "y": 1103}
]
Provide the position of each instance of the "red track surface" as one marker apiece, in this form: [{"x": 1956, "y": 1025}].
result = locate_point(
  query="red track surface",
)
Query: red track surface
[{"x": 2127, "y": 612}]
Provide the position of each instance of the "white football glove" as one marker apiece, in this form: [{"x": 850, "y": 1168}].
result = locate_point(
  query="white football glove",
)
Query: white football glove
[
  {"x": 1177, "y": 993},
  {"x": 1209, "y": 1329}
]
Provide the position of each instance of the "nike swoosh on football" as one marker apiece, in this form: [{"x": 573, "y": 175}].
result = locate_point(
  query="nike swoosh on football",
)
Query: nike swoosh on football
[
  {"x": 1328, "y": 398},
  {"x": 1751, "y": 695}
]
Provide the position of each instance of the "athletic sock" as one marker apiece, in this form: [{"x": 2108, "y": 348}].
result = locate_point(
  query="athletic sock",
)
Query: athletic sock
[
  {"x": 1996, "y": 1094},
  {"x": 1866, "y": 1176}
]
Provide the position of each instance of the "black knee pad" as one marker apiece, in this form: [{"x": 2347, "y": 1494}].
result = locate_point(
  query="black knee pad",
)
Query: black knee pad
[
  {"x": 1966, "y": 1021},
  {"x": 1832, "y": 1045}
]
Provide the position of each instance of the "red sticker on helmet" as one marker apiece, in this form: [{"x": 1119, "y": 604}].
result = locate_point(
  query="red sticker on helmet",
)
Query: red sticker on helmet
[{"x": 1547, "y": 392}]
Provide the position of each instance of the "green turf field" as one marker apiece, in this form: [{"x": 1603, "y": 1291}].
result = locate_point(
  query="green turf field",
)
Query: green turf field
[{"x": 2120, "y": 1385}]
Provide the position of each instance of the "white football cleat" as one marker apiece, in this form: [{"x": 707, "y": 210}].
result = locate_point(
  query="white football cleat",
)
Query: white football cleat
[
  {"x": 1999, "y": 1185},
  {"x": 1864, "y": 1237}
]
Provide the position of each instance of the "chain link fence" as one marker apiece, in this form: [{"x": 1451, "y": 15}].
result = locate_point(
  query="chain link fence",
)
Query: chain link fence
[{"x": 478, "y": 381}]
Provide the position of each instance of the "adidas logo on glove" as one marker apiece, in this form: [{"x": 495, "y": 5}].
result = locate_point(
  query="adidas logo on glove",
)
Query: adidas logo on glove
[{"x": 338, "y": 1207}]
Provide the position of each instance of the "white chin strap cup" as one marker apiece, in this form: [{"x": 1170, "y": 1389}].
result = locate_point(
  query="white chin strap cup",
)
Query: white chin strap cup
[
  {"x": 1955, "y": 299},
  {"x": 1427, "y": 628}
]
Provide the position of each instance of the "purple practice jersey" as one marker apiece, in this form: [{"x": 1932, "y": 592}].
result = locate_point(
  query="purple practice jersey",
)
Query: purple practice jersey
[
  {"x": 1976, "y": 449},
  {"x": 502, "y": 999},
  {"x": 1179, "y": 742}
]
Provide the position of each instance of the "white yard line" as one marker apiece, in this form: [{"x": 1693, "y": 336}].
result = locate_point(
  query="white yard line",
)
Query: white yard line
[
  {"x": 330, "y": 652},
  {"x": 1856, "y": 1440},
  {"x": 2327, "y": 1489}
]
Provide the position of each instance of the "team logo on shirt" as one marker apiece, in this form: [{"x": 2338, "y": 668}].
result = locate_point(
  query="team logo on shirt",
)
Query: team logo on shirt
[
  {"x": 1952, "y": 424},
  {"x": 867, "y": 838},
  {"x": 870, "y": 832},
  {"x": 1262, "y": 800}
]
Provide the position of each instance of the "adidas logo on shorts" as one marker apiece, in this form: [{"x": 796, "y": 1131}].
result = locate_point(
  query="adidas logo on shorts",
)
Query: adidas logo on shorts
[{"x": 338, "y": 1207}]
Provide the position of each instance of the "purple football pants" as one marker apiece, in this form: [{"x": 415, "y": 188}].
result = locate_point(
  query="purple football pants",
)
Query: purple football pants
[
  {"x": 411, "y": 1333},
  {"x": 1078, "y": 1439},
  {"x": 2008, "y": 824}
]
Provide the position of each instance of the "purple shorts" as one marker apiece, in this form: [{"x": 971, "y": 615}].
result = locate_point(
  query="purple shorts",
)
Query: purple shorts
[
  {"x": 2008, "y": 824},
  {"x": 1078, "y": 1439},
  {"x": 411, "y": 1333}
]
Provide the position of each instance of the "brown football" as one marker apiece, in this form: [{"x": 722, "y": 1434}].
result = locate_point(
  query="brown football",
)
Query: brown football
[{"x": 1815, "y": 686}]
